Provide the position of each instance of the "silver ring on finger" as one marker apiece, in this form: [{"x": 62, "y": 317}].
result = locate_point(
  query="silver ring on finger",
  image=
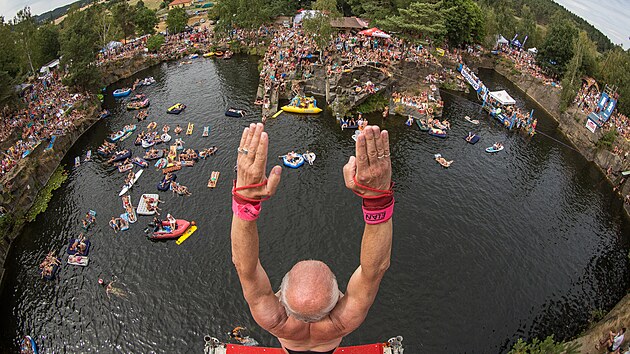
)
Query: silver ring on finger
[
  {"x": 245, "y": 151},
  {"x": 380, "y": 157},
  {"x": 386, "y": 155},
  {"x": 240, "y": 150}
]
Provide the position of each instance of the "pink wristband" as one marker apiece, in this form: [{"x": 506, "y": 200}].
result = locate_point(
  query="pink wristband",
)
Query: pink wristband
[
  {"x": 245, "y": 211},
  {"x": 378, "y": 216}
]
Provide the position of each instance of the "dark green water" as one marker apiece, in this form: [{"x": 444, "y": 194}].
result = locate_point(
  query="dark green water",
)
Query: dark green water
[{"x": 518, "y": 244}]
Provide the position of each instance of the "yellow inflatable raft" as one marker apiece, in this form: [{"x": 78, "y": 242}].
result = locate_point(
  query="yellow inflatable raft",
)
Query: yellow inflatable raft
[{"x": 309, "y": 110}]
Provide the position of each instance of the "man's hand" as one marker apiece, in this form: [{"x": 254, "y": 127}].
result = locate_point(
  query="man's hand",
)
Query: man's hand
[
  {"x": 251, "y": 164},
  {"x": 372, "y": 166}
]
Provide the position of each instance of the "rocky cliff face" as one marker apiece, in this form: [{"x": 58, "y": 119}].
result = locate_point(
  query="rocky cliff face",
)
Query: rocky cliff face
[
  {"x": 32, "y": 174},
  {"x": 572, "y": 124},
  {"x": 124, "y": 68}
]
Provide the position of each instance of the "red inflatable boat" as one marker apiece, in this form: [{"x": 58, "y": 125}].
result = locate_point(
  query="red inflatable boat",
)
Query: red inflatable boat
[{"x": 182, "y": 226}]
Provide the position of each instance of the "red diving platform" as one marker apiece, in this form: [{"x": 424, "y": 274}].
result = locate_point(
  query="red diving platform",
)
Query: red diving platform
[{"x": 393, "y": 346}]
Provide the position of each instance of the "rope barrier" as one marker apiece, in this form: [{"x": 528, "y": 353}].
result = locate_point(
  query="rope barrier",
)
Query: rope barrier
[{"x": 557, "y": 141}]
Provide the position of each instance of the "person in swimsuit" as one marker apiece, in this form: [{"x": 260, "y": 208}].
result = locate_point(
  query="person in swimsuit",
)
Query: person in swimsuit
[{"x": 310, "y": 314}]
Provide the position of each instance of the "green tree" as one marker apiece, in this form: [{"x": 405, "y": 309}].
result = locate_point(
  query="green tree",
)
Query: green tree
[
  {"x": 104, "y": 25},
  {"x": 557, "y": 50},
  {"x": 79, "y": 46},
  {"x": 124, "y": 17},
  {"x": 614, "y": 69},
  {"x": 372, "y": 9},
  {"x": 9, "y": 67},
  {"x": 25, "y": 30},
  {"x": 145, "y": 20},
  {"x": 47, "y": 45},
  {"x": 421, "y": 19},
  {"x": 584, "y": 62},
  {"x": 247, "y": 13},
  {"x": 155, "y": 42},
  {"x": 177, "y": 20},
  {"x": 464, "y": 22},
  {"x": 319, "y": 24}
]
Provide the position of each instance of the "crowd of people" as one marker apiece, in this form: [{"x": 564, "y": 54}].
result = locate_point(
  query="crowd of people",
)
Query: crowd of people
[
  {"x": 525, "y": 62},
  {"x": 47, "y": 111},
  {"x": 621, "y": 123},
  {"x": 426, "y": 103}
]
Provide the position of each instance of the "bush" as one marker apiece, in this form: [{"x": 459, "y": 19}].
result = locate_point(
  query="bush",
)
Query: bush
[
  {"x": 548, "y": 346},
  {"x": 155, "y": 42},
  {"x": 44, "y": 195},
  {"x": 373, "y": 103},
  {"x": 608, "y": 139}
]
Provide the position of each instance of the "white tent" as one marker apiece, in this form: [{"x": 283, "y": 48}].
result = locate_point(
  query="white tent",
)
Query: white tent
[
  {"x": 502, "y": 40},
  {"x": 46, "y": 68},
  {"x": 502, "y": 97},
  {"x": 533, "y": 50},
  {"x": 112, "y": 45},
  {"x": 304, "y": 15}
]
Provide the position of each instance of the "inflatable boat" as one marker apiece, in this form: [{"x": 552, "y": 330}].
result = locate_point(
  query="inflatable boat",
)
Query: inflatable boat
[
  {"x": 298, "y": 161},
  {"x": 28, "y": 345},
  {"x": 166, "y": 234},
  {"x": 311, "y": 109},
  {"x": 122, "y": 92},
  {"x": 492, "y": 149}
]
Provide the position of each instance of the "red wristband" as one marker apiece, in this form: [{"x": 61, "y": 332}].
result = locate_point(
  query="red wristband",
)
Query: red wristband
[
  {"x": 381, "y": 210},
  {"x": 244, "y": 210}
]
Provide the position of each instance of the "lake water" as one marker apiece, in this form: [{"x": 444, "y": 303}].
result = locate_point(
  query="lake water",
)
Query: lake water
[{"x": 523, "y": 243}]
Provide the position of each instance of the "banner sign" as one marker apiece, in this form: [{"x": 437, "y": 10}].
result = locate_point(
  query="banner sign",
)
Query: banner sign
[
  {"x": 590, "y": 125},
  {"x": 603, "y": 99},
  {"x": 470, "y": 77},
  {"x": 610, "y": 107}
]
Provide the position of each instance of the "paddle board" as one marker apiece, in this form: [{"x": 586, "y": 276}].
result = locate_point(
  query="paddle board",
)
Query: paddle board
[
  {"x": 126, "y": 188},
  {"x": 625, "y": 173},
  {"x": 277, "y": 114},
  {"x": 186, "y": 234}
]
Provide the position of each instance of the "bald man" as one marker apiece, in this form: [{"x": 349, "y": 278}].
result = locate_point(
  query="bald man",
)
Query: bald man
[{"x": 309, "y": 314}]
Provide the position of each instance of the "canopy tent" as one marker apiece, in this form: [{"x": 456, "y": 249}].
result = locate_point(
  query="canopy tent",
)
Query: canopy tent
[
  {"x": 502, "y": 40},
  {"x": 374, "y": 32},
  {"x": 112, "y": 45},
  {"x": 51, "y": 65},
  {"x": 516, "y": 43},
  {"x": 533, "y": 50},
  {"x": 304, "y": 14},
  {"x": 502, "y": 97}
]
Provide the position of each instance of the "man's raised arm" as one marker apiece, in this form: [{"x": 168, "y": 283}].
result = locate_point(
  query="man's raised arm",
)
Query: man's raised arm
[
  {"x": 251, "y": 188},
  {"x": 369, "y": 176}
]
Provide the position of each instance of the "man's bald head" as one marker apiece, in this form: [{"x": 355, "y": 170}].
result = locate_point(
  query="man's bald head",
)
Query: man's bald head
[{"x": 309, "y": 291}]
